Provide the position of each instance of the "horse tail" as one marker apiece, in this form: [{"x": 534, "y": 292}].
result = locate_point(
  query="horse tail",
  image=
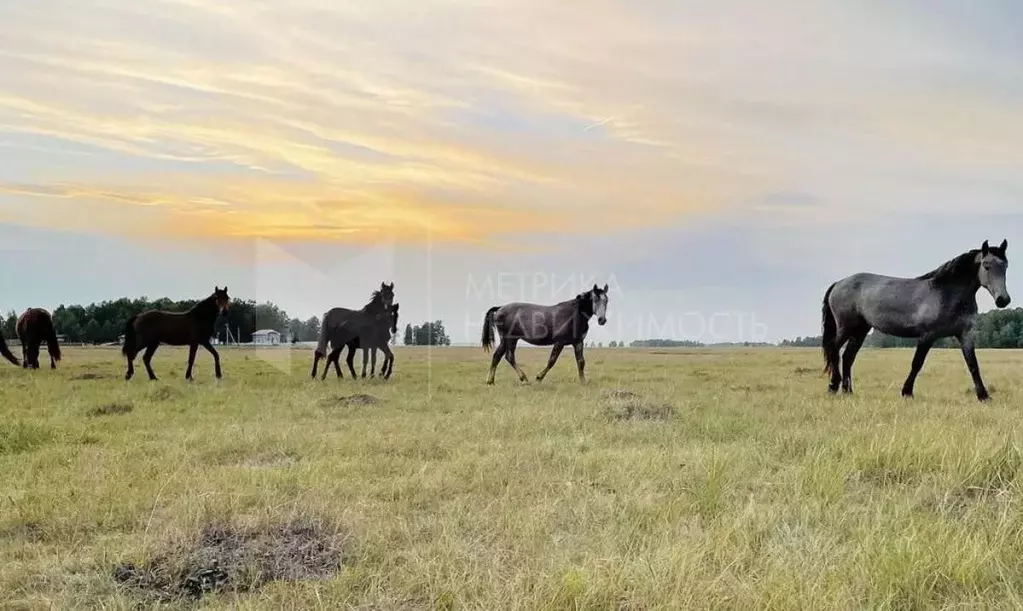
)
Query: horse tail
[
  {"x": 321, "y": 341},
  {"x": 51, "y": 338},
  {"x": 6, "y": 352},
  {"x": 488, "y": 329},
  {"x": 829, "y": 331},
  {"x": 128, "y": 348}
]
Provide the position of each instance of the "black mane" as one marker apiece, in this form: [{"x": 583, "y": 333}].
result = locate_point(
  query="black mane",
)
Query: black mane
[
  {"x": 585, "y": 301},
  {"x": 206, "y": 308},
  {"x": 965, "y": 265}
]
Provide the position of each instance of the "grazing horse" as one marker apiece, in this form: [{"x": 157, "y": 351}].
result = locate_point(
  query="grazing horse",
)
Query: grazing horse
[
  {"x": 556, "y": 325},
  {"x": 334, "y": 318},
  {"x": 6, "y": 352},
  {"x": 940, "y": 303},
  {"x": 35, "y": 325},
  {"x": 375, "y": 336},
  {"x": 192, "y": 328}
]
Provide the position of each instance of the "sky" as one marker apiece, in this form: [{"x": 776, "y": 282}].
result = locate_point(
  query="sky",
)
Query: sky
[{"x": 718, "y": 164}]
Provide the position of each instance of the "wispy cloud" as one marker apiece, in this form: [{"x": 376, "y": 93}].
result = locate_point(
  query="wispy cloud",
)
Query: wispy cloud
[{"x": 480, "y": 120}]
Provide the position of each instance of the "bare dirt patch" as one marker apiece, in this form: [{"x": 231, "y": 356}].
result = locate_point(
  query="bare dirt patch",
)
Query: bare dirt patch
[
  {"x": 350, "y": 400},
  {"x": 269, "y": 459},
  {"x": 111, "y": 409},
  {"x": 227, "y": 559},
  {"x": 627, "y": 405},
  {"x": 90, "y": 375}
]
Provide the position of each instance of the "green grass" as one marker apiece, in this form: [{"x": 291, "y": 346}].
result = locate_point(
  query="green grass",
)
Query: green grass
[{"x": 676, "y": 479}]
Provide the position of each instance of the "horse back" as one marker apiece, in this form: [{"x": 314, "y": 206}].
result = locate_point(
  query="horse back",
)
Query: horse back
[
  {"x": 173, "y": 328},
  {"x": 541, "y": 325}
]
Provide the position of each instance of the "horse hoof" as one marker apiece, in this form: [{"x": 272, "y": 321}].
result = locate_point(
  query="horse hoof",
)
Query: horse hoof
[{"x": 983, "y": 396}]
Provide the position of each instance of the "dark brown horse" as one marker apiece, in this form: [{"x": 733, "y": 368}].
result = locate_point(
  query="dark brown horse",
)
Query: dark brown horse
[
  {"x": 35, "y": 326},
  {"x": 375, "y": 337},
  {"x": 6, "y": 352},
  {"x": 556, "y": 325},
  {"x": 334, "y": 318},
  {"x": 192, "y": 328}
]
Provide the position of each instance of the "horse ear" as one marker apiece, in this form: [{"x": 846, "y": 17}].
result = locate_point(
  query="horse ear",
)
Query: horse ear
[
  {"x": 1005, "y": 244},
  {"x": 984, "y": 248},
  {"x": 392, "y": 286},
  {"x": 605, "y": 287},
  {"x": 595, "y": 289}
]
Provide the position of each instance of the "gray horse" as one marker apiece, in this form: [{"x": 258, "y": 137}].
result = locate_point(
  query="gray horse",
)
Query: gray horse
[
  {"x": 556, "y": 325},
  {"x": 335, "y": 318},
  {"x": 940, "y": 303}
]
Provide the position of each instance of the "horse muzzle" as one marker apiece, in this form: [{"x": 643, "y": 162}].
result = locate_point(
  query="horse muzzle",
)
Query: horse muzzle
[
  {"x": 1003, "y": 301},
  {"x": 601, "y": 321}
]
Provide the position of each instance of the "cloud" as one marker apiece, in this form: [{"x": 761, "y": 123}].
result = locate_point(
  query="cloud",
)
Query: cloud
[{"x": 484, "y": 121}]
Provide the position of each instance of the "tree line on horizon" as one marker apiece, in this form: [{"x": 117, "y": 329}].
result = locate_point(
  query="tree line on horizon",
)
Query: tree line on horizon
[
  {"x": 994, "y": 329},
  {"x": 104, "y": 322}
]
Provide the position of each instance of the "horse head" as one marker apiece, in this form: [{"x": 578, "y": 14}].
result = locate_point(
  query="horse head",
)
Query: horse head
[
  {"x": 386, "y": 294},
  {"x": 991, "y": 273},
  {"x": 595, "y": 302},
  {"x": 222, "y": 299},
  {"x": 394, "y": 318}
]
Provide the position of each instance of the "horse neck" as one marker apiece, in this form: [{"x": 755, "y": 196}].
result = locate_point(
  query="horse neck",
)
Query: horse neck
[
  {"x": 375, "y": 306},
  {"x": 205, "y": 309},
  {"x": 960, "y": 288},
  {"x": 585, "y": 307}
]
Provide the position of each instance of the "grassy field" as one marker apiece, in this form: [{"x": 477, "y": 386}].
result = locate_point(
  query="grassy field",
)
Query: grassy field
[{"x": 681, "y": 479}]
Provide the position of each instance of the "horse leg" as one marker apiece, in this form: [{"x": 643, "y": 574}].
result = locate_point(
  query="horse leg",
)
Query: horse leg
[
  {"x": 373, "y": 363},
  {"x": 922, "y": 348},
  {"x": 337, "y": 363},
  {"x": 834, "y": 357},
  {"x": 580, "y": 360},
  {"x": 316, "y": 361},
  {"x": 385, "y": 369},
  {"x": 192, "y": 348},
  {"x": 148, "y": 356},
  {"x": 498, "y": 355},
  {"x": 510, "y": 357},
  {"x": 131, "y": 353},
  {"x": 849, "y": 357},
  {"x": 365, "y": 360},
  {"x": 216, "y": 358},
  {"x": 33, "y": 354},
  {"x": 555, "y": 353},
  {"x": 331, "y": 358},
  {"x": 351, "y": 361},
  {"x": 966, "y": 341}
]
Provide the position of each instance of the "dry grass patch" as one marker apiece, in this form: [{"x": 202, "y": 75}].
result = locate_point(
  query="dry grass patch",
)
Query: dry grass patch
[
  {"x": 111, "y": 409},
  {"x": 225, "y": 558}
]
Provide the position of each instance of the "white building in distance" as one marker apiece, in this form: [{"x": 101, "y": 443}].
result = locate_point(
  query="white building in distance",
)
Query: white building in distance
[{"x": 268, "y": 337}]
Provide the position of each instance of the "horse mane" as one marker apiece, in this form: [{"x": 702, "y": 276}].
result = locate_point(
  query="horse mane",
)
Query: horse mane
[
  {"x": 585, "y": 302},
  {"x": 201, "y": 306},
  {"x": 374, "y": 297},
  {"x": 960, "y": 266}
]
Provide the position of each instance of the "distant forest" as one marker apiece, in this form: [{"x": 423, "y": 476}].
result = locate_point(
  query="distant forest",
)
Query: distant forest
[
  {"x": 995, "y": 329},
  {"x": 104, "y": 323}
]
